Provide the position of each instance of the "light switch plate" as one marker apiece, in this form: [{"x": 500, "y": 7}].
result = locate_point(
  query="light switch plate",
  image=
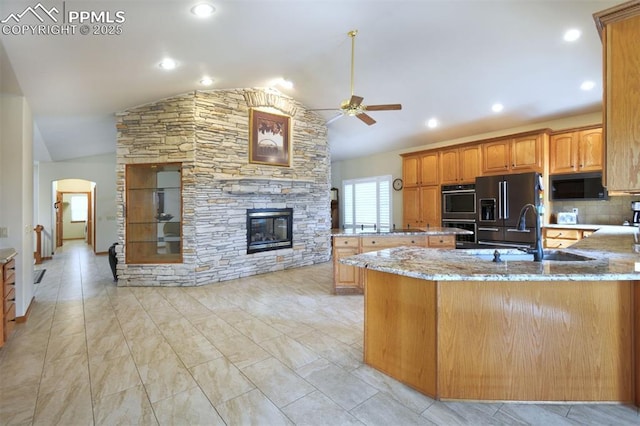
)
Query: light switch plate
[{"x": 3, "y": 232}]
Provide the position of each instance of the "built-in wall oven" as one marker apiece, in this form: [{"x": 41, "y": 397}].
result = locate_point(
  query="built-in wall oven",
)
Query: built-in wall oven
[{"x": 459, "y": 211}]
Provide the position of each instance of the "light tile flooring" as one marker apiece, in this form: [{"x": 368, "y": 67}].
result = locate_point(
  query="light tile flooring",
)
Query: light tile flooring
[{"x": 267, "y": 350}]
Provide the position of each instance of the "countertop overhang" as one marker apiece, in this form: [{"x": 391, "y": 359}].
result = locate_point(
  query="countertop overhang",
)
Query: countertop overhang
[{"x": 613, "y": 251}]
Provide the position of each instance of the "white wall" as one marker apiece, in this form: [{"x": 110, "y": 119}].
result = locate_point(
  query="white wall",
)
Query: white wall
[
  {"x": 99, "y": 169},
  {"x": 16, "y": 192},
  {"x": 391, "y": 162}
]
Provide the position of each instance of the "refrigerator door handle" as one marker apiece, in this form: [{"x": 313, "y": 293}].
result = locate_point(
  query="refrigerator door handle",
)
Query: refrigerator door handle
[
  {"x": 506, "y": 200},
  {"x": 500, "y": 200}
]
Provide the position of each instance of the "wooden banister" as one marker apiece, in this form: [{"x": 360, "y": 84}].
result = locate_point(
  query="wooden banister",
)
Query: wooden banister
[{"x": 37, "y": 255}]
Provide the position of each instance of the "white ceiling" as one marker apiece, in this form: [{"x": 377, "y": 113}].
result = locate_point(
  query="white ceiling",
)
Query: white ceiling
[{"x": 450, "y": 59}]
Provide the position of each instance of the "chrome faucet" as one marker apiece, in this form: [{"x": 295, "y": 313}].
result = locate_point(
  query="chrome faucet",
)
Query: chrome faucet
[{"x": 537, "y": 252}]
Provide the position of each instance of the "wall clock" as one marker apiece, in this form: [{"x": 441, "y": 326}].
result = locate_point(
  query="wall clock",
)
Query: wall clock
[{"x": 397, "y": 184}]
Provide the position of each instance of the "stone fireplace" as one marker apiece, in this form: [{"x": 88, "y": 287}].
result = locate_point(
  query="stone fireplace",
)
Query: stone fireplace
[
  {"x": 269, "y": 229},
  {"x": 208, "y": 133}
]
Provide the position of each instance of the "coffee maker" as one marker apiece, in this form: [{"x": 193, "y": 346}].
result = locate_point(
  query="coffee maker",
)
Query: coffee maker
[{"x": 635, "y": 207}]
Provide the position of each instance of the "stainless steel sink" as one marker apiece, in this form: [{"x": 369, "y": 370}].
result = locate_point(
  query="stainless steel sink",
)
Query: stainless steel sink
[
  {"x": 550, "y": 255},
  {"x": 563, "y": 256}
]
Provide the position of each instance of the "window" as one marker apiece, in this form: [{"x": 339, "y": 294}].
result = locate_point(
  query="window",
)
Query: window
[
  {"x": 367, "y": 202},
  {"x": 78, "y": 208}
]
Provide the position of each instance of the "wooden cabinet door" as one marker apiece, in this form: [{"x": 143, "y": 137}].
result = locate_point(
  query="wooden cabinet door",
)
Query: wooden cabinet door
[
  {"x": 495, "y": 156},
  {"x": 470, "y": 163},
  {"x": 449, "y": 164},
  {"x": 526, "y": 154},
  {"x": 345, "y": 275},
  {"x": 590, "y": 150},
  {"x": 622, "y": 103},
  {"x": 562, "y": 155},
  {"x": 411, "y": 207},
  {"x": 429, "y": 169},
  {"x": 410, "y": 171},
  {"x": 430, "y": 206}
]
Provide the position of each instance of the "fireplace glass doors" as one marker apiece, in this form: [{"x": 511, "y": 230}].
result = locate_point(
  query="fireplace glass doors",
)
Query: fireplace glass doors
[{"x": 269, "y": 229}]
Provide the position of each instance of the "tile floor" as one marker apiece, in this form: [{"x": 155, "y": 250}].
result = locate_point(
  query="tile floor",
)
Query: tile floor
[{"x": 266, "y": 350}]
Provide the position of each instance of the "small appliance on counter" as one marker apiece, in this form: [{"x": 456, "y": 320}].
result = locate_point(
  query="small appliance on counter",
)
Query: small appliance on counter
[
  {"x": 635, "y": 207},
  {"x": 567, "y": 218}
]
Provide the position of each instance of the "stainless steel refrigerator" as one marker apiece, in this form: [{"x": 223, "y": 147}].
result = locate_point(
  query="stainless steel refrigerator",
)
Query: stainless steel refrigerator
[{"x": 500, "y": 200}]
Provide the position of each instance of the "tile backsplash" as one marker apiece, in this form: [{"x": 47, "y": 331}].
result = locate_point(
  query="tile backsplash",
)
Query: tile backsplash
[{"x": 613, "y": 211}]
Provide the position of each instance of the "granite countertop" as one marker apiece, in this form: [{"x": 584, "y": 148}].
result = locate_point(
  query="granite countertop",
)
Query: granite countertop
[
  {"x": 434, "y": 230},
  {"x": 612, "y": 250},
  {"x": 6, "y": 254},
  {"x": 587, "y": 226}
]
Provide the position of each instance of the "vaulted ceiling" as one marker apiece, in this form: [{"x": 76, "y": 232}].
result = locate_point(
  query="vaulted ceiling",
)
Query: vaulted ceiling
[{"x": 443, "y": 59}]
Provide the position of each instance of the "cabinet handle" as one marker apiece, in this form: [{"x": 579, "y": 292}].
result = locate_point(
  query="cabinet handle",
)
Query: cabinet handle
[
  {"x": 413, "y": 242},
  {"x": 346, "y": 242},
  {"x": 373, "y": 242}
]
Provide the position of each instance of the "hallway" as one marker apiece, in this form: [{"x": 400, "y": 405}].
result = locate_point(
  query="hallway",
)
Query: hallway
[{"x": 268, "y": 350}]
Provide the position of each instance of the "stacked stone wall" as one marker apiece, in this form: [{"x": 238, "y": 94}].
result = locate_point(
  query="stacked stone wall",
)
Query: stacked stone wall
[{"x": 208, "y": 132}]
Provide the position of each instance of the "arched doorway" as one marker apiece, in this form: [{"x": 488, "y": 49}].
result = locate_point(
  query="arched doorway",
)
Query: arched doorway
[{"x": 74, "y": 210}]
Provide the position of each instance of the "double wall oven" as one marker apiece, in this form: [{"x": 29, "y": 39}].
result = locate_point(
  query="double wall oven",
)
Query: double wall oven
[{"x": 459, "y": 211}]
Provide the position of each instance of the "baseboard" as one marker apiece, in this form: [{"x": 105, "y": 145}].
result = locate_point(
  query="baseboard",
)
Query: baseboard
[
  {"x": 25, "y": 317},
  {"x": 101, "y": 253}
]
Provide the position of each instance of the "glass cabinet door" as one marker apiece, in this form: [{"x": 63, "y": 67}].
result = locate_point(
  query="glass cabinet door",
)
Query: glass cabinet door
[{"x": 153, "y": 213}]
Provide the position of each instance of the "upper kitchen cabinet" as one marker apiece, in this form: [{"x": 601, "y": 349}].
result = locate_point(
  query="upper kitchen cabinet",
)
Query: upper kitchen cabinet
[
  {"x": 460, "y": 165},
  {"x": 421, "y": 206},
  {"x": 576, "y": 151},
  {"x": 420, "y": 169},
  {"x": 516, "y": 154},
  {"x": 619, "y": 29}
]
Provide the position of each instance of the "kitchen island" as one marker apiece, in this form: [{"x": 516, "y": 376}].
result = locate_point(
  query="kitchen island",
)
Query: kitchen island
[
  {"x": 455, "y": 325},
  {"x": 349, "y": 242}
]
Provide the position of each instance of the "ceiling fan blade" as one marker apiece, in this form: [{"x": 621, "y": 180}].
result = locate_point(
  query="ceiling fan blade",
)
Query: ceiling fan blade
[
  {"x": 367, "y": 119},
  {"x": 388, "y": 107},
  {"x": 355, "y": 101},
  {"x": 331, "y": 120}
]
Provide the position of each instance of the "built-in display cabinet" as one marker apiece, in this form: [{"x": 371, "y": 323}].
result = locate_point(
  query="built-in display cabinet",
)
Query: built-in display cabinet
[
  {"x": 153, "y": 213},
  {"x": 619, "y": 29}
]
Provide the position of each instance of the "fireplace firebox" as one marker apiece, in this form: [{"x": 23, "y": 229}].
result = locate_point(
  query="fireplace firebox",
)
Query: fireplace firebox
[{"x": 269, "y": 229}]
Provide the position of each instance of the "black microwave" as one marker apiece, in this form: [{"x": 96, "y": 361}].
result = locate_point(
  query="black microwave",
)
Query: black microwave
[{"x": 577, "y": 186}]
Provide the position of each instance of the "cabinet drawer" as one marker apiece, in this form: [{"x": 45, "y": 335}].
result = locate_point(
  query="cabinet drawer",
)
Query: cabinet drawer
[
  {"x": 10, "y": 311},
  {"x": 375, "y": 243},
  {"x": 565, "y": 234},
  {"x": 10, "y": 277},
  {"x": 443, "y": 241},
  {"x": 9, "y": 268},
  {"x": 9, "y": 293},
  {"x": 558, "y": 243},
  {"x": 346, "y": 242}
]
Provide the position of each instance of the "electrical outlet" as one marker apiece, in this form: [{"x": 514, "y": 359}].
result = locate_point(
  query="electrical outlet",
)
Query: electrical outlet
[
  {"x": 575, "y": 210},
  {"x": 3, "y": 232}
]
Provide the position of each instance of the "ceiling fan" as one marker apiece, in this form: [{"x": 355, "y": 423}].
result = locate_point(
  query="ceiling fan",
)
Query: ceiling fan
[{"x": 353, "y": 106}]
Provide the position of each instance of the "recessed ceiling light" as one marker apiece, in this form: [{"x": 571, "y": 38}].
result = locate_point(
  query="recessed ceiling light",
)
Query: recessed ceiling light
[
  {"x": 587, "y": 85},
  {"x": 284, "y": 83},
  {"x": 572, "y": 35},
  {"x": 432, "y": 123},
  {"x": 497, "y": 107},
  {"x": 203, "y": 10},
  {"x": 206, "y": 81},
  {"x": 168, "y": 64}
]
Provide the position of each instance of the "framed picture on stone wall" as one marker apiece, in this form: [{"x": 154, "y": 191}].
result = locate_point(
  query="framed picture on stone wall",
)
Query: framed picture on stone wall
[{"x": 269, "y": 138}]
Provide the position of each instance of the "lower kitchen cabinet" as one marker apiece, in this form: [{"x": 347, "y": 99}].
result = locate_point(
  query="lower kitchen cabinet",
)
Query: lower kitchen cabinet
[
  {"x": 8, "y": 300},
  {"x": 349, "y": 280}
]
